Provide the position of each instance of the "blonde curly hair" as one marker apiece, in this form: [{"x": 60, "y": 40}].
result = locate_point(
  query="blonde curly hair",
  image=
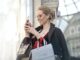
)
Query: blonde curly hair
[{"x": 47, "y": 11}]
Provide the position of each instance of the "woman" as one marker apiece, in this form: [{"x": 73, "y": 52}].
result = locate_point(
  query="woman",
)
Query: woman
[{"x": 47, "y": 31}]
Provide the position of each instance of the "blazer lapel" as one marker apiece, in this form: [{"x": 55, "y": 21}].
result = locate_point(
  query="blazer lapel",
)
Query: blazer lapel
[{"x": 51, "y": 30}]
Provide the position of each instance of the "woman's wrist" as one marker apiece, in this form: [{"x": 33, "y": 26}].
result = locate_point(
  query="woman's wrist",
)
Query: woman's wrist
[{"x": 37, "y": 35}]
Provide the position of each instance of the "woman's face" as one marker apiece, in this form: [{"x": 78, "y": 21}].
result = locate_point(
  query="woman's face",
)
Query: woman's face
[{"x": 42, "y": 18}]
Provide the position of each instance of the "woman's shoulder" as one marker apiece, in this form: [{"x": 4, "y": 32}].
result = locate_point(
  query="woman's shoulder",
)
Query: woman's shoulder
[{"x": 57, "y": 29}]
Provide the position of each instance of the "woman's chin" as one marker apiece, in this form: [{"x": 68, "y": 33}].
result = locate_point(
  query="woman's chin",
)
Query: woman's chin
[{"x": 41, "y": 24}]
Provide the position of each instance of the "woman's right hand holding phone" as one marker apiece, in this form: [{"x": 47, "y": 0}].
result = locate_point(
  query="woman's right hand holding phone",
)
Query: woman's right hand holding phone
[
  {"x": 30, "y": 29},
  {"x": 25, "y": 28}
]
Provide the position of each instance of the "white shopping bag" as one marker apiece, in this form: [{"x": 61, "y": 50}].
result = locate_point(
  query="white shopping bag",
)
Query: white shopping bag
[{"x": 43, "y": 53}]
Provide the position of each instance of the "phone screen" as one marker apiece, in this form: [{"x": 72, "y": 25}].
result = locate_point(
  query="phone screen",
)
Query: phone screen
[{"x": 27, "y": 23}]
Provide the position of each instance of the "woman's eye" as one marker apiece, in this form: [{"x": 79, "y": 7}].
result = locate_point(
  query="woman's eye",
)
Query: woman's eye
[{"x": 39, "y": 16}]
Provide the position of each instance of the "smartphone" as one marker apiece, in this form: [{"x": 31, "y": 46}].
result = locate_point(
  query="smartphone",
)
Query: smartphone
[{"x": 28, "y": 23}]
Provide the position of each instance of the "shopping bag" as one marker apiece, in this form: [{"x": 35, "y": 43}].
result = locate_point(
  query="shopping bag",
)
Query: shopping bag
[{"x": 45, "y": 52}]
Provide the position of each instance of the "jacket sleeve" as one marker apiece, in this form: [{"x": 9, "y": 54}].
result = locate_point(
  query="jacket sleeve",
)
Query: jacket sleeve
[
  {"x": 26, "y": 40},
  {"x": 61, "y": 38}
]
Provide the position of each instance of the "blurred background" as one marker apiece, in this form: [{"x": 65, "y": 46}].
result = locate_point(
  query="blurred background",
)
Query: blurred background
[{"x": 13, "y": 14}]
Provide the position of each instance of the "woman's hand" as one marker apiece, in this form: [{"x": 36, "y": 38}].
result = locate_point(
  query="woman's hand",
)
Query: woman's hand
[
  {"x": 31, "y": 29},
  {"x": 27, "y": 24}
]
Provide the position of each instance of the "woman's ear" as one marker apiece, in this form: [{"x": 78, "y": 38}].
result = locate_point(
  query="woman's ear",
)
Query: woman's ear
[{"x": 48, "y": 16}]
